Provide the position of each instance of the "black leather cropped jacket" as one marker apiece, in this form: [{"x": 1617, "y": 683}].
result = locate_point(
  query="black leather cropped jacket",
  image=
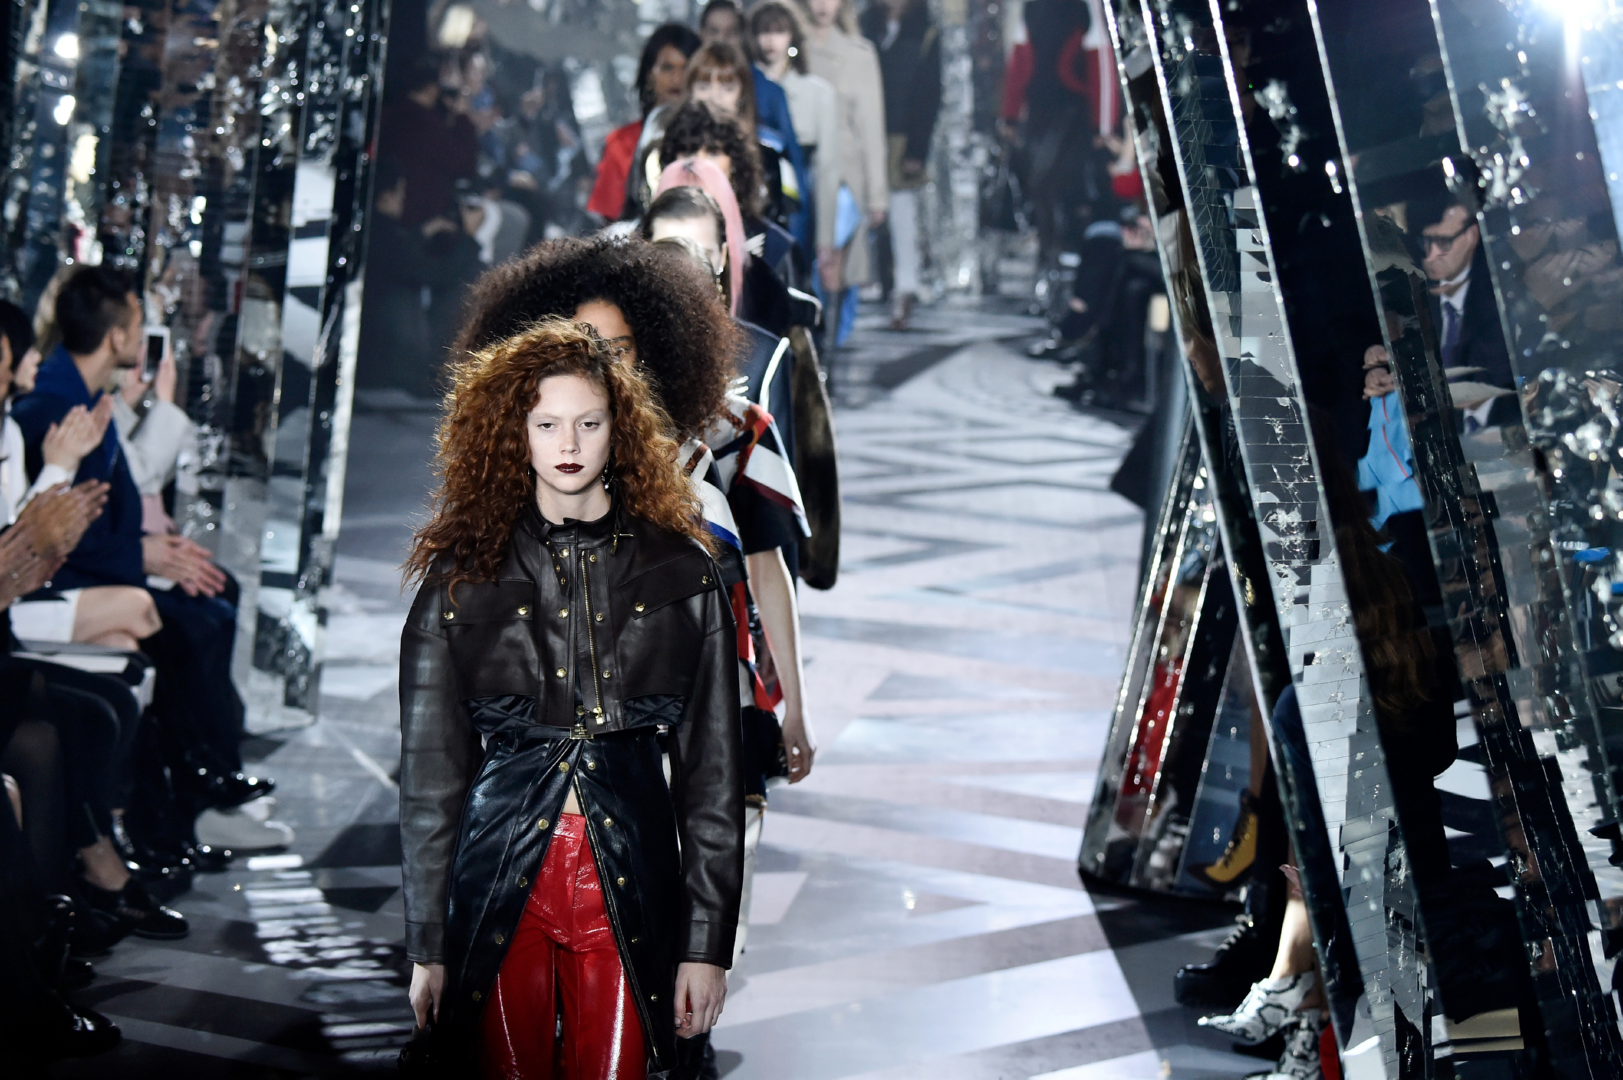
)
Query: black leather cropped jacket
[{"x": 601, "y": 648}]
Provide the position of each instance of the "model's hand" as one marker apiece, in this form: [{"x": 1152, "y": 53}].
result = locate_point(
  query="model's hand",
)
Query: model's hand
[
  {"x": 830, "y": 267},
  {"x": 79, "y": 432},
  {"x": 700, "y": 990},
  {"x": 800, "y": 745},
  {"x": 427, "y": 987},
  {"x": 184, "y": 562}
]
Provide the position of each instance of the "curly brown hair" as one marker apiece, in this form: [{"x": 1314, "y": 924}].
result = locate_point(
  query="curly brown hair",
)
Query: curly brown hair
[
  {"x": 687, "y": 345},
  {"x": 695, "y": 128},
  {"x": 484, "y": 454}
]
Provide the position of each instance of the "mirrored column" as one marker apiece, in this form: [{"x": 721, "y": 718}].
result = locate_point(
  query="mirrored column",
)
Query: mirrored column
[{"x": 1251, "y": 569}]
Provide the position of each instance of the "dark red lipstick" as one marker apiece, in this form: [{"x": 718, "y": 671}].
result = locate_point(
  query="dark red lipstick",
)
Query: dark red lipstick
[{"x": 567, "y": 467}]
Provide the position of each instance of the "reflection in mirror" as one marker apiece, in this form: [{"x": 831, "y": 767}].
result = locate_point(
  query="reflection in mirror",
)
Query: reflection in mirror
[
  {"x": 1325, "y": 733},
  {"x": 1486, "y": 524},
  {"x": 1157, "y": 745},
  {"x": 1277, "y": 828}
]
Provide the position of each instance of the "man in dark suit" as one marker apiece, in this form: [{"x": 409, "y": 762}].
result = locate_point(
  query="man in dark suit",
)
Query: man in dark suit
[{"x": 1466, "y": 315}]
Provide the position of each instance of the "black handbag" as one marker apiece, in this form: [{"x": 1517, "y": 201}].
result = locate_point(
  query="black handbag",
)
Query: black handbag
[
  {"x": 424, "y": 1057},
  {"x": 1002, "y": 201},
  {"x": 765, "y": 757}
]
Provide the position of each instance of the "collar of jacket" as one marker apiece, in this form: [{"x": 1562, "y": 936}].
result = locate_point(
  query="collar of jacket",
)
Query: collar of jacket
[
  {"x": 59, "y": 377},
  {"x": 605, "y": 530}
]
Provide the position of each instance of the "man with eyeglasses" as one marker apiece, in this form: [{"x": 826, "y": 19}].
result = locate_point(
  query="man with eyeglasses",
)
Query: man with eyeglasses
[{"x": 1466, "y": 317}]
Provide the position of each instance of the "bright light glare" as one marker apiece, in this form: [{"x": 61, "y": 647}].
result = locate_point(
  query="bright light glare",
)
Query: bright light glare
[
  {"x": 67, "y": 47},
  {"x": 64, "y": 110}
]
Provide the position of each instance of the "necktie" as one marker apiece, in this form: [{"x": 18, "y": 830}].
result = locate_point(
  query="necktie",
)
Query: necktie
[{"x": 1451, "y": 334}]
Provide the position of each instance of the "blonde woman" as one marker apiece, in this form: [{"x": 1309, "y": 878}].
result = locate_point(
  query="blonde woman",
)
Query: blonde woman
[{"x": 838, "y": 54}]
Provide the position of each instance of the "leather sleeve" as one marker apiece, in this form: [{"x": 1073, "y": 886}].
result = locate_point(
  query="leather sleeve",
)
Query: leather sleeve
[
  {"x": 707, "y": 785},
  {"x": 440, "y": 754}
]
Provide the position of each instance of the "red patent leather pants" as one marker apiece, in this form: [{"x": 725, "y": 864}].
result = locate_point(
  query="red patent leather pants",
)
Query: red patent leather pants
[{"x": 563, "y": 961}]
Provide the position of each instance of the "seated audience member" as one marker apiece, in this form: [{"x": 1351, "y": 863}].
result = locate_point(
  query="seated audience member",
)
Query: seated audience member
[
  {"x": 1471, "y": 341},
  {"x": 199, "y": 714},
  {"x": 113, "y": 615},
  {"x": 37, "y": 1021},
  {"x": 1108, "y": 311}
]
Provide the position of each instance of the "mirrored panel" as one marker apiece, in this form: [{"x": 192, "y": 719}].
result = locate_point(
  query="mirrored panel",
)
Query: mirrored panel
[
  {"x": 1155, "y": 755},
  {"x": 1325, "y": 730},
  {"x": 1251, "y": 575},
  {"x": 1488, "y": 530}
]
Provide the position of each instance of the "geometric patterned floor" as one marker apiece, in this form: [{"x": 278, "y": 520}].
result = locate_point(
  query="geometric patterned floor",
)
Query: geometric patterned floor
[{"x": 917, "y": 912}]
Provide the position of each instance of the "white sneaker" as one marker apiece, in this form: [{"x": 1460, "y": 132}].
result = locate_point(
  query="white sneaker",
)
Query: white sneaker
[{"x": 240, "y": 829}]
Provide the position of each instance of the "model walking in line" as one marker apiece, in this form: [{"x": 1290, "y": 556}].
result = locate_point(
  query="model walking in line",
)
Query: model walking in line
[{"x": 570, "y": 634}]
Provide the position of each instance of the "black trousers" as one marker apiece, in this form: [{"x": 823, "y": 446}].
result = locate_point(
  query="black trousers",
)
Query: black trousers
[{"x": 195, "y": 702}]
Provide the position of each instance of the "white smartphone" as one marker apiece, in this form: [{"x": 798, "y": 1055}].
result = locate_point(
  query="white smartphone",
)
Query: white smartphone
[{"x": 157, "y": 346}]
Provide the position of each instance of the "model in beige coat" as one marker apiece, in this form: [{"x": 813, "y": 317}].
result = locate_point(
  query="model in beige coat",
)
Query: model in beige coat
[{"x": 837, "y": 53}]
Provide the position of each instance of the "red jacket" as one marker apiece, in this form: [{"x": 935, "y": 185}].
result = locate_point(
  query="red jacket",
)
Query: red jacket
[
  {"x": 609, "y": 192},
  {"x": 1088, "y": 72}
]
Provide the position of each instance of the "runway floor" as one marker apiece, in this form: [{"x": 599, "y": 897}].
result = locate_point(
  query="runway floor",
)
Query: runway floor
[{"x": 917, "y": 912}]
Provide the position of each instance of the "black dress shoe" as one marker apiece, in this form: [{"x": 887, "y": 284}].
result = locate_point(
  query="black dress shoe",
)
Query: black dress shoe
[
  {"x": 78, "y": 1032},
  {"x": 222, "y": 791},
  {"x": 134, "y": 911},
  {"x": 1244, "y": 957}
]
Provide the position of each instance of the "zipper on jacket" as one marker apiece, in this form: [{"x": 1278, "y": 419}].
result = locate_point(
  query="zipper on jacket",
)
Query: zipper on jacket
[{"x": 591, "y": 639}]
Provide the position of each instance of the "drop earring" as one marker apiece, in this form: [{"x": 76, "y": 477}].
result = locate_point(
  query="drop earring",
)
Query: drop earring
[{"x": 607, "y": 478}]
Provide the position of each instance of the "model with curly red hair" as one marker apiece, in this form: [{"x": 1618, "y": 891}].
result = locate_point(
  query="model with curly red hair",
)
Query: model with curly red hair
[{"x": 570, "y": 633}]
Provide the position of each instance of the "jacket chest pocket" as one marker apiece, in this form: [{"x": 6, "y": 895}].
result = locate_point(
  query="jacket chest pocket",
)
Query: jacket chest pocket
[
  {"x": 664, "y": 630},
  {"x": 491, "y": 632}
]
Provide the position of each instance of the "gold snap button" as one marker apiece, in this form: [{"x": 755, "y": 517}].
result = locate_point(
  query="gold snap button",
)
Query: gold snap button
[
  {"x": 600, "y": 616},
  {"x": 617, "y": 881},
  {"x": 607, "y": 822},
  {"x": 592, "y": 559},
  {"x": 562, "y": 673},
  {"x": 705, "y": 580},
  {"x": 563, "y": 766},
  {"x": 542, "y": 824},
  {"x": 563, "y": 613},
  {"x": 524, "y": 883},
  {"x": 477, "y": 996},
  {"x": 564, "y": 553},
  {"x": 653, "y": 997},
  {"x": 448, "y": 616},
  {"x": 591, "y": 764},
  {"x": 524, "y": 611},
  {"x": 580, "y": 710},
  {"x": 607, "y": 674},
  {"x": 638, "y": 607},
  {"x": 635, "y": 940},
  {"x": 501, "y": 939}
]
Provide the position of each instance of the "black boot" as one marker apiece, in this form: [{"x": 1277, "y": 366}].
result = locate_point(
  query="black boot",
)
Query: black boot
[
  {"x": 131, "y": 910},
  {"x": 1245, "y": 956},
  {"x": 75, "y": 1032}
]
